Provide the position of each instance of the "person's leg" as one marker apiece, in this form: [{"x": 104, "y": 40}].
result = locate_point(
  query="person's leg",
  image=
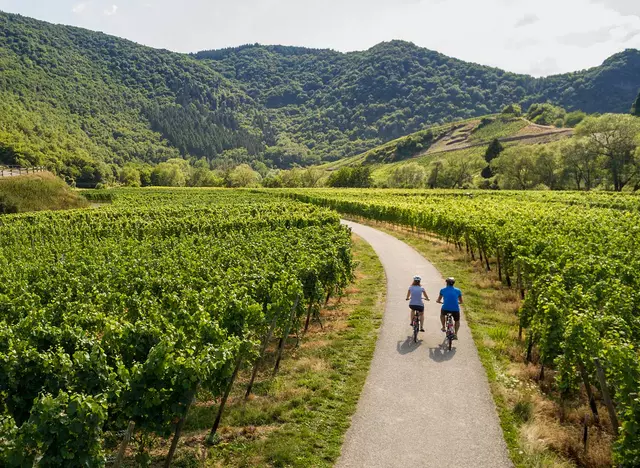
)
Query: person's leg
[
  {"x": 442, "y": 317},
  {"x": 411, "y": 317},
  {"x": 422, "y": 321},
  {"x": 456, "y": 317},
  {"x": 457, "y": 326}
]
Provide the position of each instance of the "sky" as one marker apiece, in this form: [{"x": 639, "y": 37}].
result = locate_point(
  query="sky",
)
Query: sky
[{"x": 538, "y": 37}]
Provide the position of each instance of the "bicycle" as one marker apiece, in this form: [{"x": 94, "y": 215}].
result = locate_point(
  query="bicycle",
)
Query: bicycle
[
  {"x": 416, "y": 325},
  {"x": 450, "y": 327}
]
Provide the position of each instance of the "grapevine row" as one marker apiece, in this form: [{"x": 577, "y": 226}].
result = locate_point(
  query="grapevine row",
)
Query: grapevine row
[
  {"x": 115, "y": 318},
  {"x": 576, "y": 264}
]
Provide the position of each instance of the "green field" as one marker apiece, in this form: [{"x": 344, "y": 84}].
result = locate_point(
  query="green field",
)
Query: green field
[
  {"x": 573, "y": 257},
  {"x": 147, "y": 311},
  {"x": 124, "y": 313}
]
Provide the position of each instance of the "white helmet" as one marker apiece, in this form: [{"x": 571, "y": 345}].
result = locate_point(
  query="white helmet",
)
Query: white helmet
[{"x": 417, "y": 278}]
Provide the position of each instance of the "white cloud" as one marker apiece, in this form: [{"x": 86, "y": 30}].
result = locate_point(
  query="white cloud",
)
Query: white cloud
[
  {"x": 79, "y": 8},
  {"x": 111, "y": 10},
  {"x": 526, "y": 20}
]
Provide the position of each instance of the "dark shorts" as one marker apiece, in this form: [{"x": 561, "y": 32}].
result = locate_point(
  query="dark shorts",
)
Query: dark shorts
[
  {"x": 417, "y": 307},
  {"x": 455, "y": 315}
]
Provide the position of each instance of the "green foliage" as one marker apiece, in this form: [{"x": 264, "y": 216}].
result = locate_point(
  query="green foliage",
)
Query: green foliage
[
  {"x": 130, "y": 177},
  {"x": 546, "y": 114},
  {"x": 359, "y": 176},
  {"x": 65, "y": 430},
  {"x": 244, "y": 176},
  {"x": 454, "y": 171},
  {"x": 575, "y": 256},
  {"x": 287, "y": 153},
  {"x": 614, "y": 139},
  {"x": 402, "y": 148},
  {"x": 134, "y": 306},
  {"x": 493, "y": 151},
  {"x": 491, "y": 128},
  {"x": 410, "y": 175},
  {"x": 296, "y": 177},
  {"x": 572, "y": 119},
  {"x": 73, "y": 99},
  {"x": 36, "y": 192},
  {"x": 514, "y": 110},
  {"x": 170, "y": 174},
  {"x": 85, "y": 104},
  {"x": 527, "y": 167},
  {"x": 342, "y": 104}
]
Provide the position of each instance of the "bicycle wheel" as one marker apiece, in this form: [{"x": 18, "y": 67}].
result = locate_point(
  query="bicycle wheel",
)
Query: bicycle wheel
[{"x": 450, "y": 332}]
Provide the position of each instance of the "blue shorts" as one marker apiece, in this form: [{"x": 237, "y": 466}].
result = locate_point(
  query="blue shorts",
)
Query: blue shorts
[{"x": 419, "y": 308}]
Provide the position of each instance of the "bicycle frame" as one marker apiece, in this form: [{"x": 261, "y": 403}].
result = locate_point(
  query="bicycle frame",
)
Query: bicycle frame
[
  {"x": 416, "y": 325},
  {"x": 450, "y": 329}
]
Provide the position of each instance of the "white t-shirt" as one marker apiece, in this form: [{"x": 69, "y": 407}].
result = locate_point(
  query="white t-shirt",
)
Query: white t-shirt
[{"x": 416, "y": 295}]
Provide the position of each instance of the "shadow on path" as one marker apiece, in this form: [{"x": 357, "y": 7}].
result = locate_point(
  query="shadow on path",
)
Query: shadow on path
[
  {"x": 408, "y": 346},
  {"x": 441, "y": 353}
]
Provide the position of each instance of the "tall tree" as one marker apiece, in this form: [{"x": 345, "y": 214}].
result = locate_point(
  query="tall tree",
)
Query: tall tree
[
  {"x": 517, "y": 168},
  {"x": 614, "y": 137},
  {"x": 493, "y": 151},
  {"x": 580, "y": 163}
]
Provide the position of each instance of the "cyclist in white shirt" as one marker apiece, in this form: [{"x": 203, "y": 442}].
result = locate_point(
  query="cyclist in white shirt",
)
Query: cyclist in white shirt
[{"x": 414, "y": 296}]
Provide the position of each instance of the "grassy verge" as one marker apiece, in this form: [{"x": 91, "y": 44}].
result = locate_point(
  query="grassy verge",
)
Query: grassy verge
[
  {"x": 538, "y": 431},
  {"x": 37, "y": 192},
  {"x": 300, "y": 417}
]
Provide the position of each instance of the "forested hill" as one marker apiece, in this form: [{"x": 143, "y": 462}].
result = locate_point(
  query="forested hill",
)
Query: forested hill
[
  {"x": 85, "y": 103},
  {"x": 80, "y": 100},
  {"x": 343, "y": 102}
]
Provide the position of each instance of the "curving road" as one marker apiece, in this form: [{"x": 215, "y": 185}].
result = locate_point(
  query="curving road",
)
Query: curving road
[{"x": 421, "y": 406}]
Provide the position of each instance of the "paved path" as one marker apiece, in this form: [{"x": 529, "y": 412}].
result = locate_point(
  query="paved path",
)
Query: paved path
[{"x": 421, "y": 406}]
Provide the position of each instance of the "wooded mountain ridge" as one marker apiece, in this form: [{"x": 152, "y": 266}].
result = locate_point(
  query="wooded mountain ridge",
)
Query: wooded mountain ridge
[{"x": 86, "y": 104}]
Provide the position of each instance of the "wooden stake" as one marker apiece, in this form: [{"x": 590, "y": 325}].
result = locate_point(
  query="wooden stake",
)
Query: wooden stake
[
  {"x": 216, "y": 423},
  {"x": 606, "y": 396},
  {"x": 306, "y": 323},
  {"x": 284, "y": 337},
  {"x": 124, "y": 444},
  {"x": 587, "y": 386},
  {"x": 520, "y": 285},
  {"x": 486, "y": 259},
  {"x": 178, "y": 433},
  {"x": 529, "y": 349},
  {"x": 585, "y": 434},
  {"x": 263, "y": 350}
]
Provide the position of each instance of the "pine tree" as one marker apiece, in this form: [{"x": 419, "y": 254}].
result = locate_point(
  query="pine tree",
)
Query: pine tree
[
  {"x": 635, "y": 109},
  {"x": 493, "y": 151}
]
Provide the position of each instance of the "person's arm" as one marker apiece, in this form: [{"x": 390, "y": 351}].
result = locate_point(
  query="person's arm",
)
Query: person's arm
[
  {"x": 408, "y": 294},
  {"x": 439, "y": 301},
  {"x": 426, "y": 296},
  {"x": 460, "y": 301}
]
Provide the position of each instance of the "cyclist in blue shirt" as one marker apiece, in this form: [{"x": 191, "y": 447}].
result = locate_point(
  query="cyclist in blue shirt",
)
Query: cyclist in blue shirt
[{"x": 450, "y": 298}]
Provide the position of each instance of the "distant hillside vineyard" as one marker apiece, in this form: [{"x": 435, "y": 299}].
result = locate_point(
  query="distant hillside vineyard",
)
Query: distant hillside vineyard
[{"x": 85, "y": 103}]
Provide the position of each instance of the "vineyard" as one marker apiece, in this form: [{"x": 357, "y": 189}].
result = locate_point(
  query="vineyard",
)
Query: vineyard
[
  {"x": 575, "y": 258},
  {"x": 114, "y": 319}
]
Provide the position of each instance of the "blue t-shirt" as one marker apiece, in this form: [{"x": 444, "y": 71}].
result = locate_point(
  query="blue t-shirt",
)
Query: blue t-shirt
[{"x": 450, "y": 297}]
